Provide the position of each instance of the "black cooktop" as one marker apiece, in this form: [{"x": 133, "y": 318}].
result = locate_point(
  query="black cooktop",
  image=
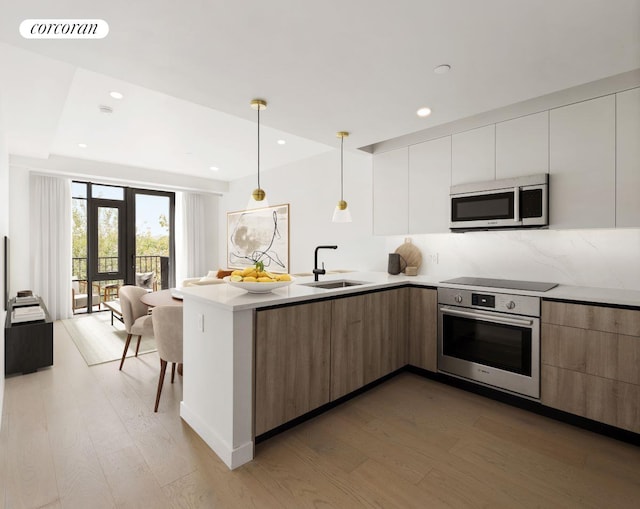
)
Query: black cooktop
[{"x": 509, "y": 284}]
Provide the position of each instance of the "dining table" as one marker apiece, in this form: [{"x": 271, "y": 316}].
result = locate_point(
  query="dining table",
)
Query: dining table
[{"x": 161, "y": 298}]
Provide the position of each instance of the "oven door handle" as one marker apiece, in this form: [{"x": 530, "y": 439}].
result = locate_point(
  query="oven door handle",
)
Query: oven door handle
[{"x": 488, "y": 317}]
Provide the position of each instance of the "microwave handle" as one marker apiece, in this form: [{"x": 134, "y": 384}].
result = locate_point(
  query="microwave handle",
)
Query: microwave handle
[{"x": 516, "y": 204}]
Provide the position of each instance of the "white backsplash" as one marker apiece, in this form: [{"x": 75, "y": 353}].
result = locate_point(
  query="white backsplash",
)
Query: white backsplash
[{"x": 597, "y": 258}]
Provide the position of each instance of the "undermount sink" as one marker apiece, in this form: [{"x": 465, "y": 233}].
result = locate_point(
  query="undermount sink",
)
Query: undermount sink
[{"x": 330, "y": 285}]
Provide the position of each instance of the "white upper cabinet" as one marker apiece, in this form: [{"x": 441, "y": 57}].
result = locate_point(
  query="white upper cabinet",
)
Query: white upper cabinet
[
  {"x": 390, "y": 192},
  {"x": 522, "y": 146},
  {"x": 582, "y": 150},
  {"x": 473, "y": 155},
  {"x": 429, "y": 182},
  {"x": 628, "y": 158}
]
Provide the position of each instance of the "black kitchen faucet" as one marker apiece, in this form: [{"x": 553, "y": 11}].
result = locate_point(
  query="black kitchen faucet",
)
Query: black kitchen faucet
[{"x": 316, "y": 270}]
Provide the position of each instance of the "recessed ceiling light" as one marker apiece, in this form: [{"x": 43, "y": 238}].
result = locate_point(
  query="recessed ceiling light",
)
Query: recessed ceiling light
[
  {"x": 442, "y": 69},
  {"x": 424, "y": 112},
  {"x": 282, "y": 142},
  {"x": 214, "y": 168},
  {"x": 116, "y": 95},
  {"x": 82, "y": 145}
]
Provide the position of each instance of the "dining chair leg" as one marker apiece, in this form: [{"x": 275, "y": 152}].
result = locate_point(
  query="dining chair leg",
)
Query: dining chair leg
[
  {"x": 126, "y": 347},
  {"x": 163, "y": 368},
  {"x": 173, "y": 371},
  {"x": 138, "y": 345}
]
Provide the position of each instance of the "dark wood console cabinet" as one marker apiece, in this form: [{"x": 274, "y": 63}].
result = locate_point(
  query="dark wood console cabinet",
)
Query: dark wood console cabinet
[{"x": 27, "y": 346}]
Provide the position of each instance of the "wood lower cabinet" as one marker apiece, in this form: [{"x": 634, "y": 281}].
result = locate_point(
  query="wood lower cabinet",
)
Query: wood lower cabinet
[
  {"x": 590, "y": 362},
  {"x": 423, "y": 328},
  {"x": 368, "y": 339},
  {"x": 292, "y": 362}
]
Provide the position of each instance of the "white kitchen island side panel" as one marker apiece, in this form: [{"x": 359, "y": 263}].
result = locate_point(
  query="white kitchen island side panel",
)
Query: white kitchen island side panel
[{"x": 218, "y": 373}]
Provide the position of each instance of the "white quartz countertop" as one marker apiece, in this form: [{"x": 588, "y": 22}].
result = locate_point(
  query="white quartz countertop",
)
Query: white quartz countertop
[{"x": 236, "y": 299}]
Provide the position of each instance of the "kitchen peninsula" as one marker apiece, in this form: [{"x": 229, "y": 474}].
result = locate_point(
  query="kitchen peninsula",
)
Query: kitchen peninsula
[{"x": 227, "y": 342}]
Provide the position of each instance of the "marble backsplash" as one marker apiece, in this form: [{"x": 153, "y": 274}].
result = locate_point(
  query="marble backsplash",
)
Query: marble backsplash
[{"x": 598, "y": 258}]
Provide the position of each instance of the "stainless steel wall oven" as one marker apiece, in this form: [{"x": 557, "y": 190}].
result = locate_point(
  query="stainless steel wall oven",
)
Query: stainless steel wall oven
[{"x": 491, "y": 338}]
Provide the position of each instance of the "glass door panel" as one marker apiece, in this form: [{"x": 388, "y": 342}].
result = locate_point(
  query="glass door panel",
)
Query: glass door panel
[
  {"x": 153, "y": 217},
  {"x": 108, "y": 240},
  {"x": 107, "y": 246}
]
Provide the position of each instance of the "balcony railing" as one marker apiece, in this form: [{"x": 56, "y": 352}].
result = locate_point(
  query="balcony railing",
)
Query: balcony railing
[{"x": 157, "y": 264}]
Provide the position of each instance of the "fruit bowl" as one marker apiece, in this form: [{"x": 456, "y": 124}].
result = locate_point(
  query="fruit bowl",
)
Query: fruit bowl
[{"x": 252, "y": 287}]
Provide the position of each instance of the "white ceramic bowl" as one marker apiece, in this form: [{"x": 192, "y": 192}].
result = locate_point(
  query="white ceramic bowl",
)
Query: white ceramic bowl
[{"x": 258, "y": 287}]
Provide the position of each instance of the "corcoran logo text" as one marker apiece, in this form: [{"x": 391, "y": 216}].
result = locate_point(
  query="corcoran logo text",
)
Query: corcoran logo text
[{"x": 64, "y": 28}]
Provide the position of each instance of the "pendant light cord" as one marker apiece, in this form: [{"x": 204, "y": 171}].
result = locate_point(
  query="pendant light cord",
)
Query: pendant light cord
[
  {"x": 258, "y": 146},
  {"x": 341, "y": 168}
]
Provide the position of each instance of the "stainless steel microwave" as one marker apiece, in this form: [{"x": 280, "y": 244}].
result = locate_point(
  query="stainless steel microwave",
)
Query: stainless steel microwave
[{"x": 506, "y": 203}]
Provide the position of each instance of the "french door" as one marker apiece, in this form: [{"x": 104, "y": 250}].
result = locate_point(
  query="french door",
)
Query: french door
[{"x": 122, "y": 236}]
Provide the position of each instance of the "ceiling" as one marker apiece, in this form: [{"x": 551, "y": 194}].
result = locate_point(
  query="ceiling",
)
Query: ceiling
[{"x": 189, "y": 69}]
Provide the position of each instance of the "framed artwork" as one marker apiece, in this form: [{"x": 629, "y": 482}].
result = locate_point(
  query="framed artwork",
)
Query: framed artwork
[{"x": 259, "y": 235}]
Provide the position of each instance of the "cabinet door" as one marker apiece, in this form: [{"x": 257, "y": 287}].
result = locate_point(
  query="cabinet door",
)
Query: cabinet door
[
  {"x": 423, "y": 328},
  {"x": 522, "y": 146},
  {"x": 385, "y": 348},
  {"x": 628, "y": 158},
  {"x": 390, "y": 192},
  {"x": 429, "y": 182},
  {"x": 582, "y": 165},
  {"x": 347, "y": 345},
  {"x": 473, "y": 155},
  {"x": 368, "y": 339},
  {"x": 292, "y": 367}
]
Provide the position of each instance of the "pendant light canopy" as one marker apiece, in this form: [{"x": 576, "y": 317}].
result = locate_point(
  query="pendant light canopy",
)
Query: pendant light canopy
[
  {"x": 341, "y": 214},
  {"x": 258, "y": 196}
]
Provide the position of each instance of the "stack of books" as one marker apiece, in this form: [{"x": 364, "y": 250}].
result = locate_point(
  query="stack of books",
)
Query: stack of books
[
  {"x": 27, "y": 314},
  {"x": 26, "y": 301}
]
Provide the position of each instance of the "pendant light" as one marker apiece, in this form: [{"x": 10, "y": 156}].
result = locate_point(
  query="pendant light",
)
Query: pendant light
[
  {"x": 258, "y": 196},
  {"x": 341, "y": 214}
]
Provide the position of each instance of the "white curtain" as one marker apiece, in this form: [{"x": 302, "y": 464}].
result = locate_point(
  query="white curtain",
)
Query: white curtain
[
  {"x": 191, "y": 236},
  {"x": 50, "y": 217}
]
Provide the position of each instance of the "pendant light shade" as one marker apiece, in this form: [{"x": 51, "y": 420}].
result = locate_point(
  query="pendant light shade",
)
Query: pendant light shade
[
  {"x": 258, "y": 196},
  {"x": 341, "y": 214}
]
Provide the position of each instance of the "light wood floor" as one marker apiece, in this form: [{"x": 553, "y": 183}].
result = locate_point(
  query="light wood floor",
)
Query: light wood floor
[{"x": 80, "y": 437}]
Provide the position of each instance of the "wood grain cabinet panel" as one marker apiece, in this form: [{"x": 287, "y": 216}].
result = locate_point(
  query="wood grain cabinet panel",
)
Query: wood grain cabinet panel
[
  {"x": 589, "y": 366},
  {"x": 347, "y": 345},
  {"x": 368, "y": 339},
  {"x": 423, "y": 328},
  {"x": 292, "y": 362},
  {"x": 583, "y": 316}
]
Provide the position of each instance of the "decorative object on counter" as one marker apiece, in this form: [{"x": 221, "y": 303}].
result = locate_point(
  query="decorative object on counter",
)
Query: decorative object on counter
[
  {"x": 255, "y": 287},
  {"x": 24, "y": 293},
  {"x": 257, "y": 280},
  {"x": 259, "y": 235},
  {"x": 410, "y": 253},
  {"x": 258, "y": 196},
  {"x": 411, "y": 271},
  {"x": 396, "y": 264},
  {"x": 341, "y": 214}
]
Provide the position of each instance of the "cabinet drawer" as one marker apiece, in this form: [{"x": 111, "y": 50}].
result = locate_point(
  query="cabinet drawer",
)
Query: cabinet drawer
[
  {"x": 601, "y": 318},
  {"x": 604, "y": 400}
]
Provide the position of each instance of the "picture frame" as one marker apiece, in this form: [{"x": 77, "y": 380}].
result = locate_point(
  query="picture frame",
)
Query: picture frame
[{"x": 259, "y": 235}]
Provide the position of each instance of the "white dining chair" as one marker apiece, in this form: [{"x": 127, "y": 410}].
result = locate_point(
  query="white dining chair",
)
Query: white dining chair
[
  {"x": 167, "y": 323},
  {"x": 135, "y": 316}
]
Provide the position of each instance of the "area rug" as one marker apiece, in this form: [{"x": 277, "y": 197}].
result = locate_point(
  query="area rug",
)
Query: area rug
[{"x": 98, "y": 341}]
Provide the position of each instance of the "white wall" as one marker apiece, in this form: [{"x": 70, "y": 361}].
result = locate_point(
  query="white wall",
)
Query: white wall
[
  {"x": 4, "y": 230},
  {"x": 600, "y": 258},
  {"x": 312, "y": 188},
  {"x": 19, "y": 226}
]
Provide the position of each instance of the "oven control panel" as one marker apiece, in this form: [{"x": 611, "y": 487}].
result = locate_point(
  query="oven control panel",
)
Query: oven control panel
[{"x": 502, "y": 302}]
